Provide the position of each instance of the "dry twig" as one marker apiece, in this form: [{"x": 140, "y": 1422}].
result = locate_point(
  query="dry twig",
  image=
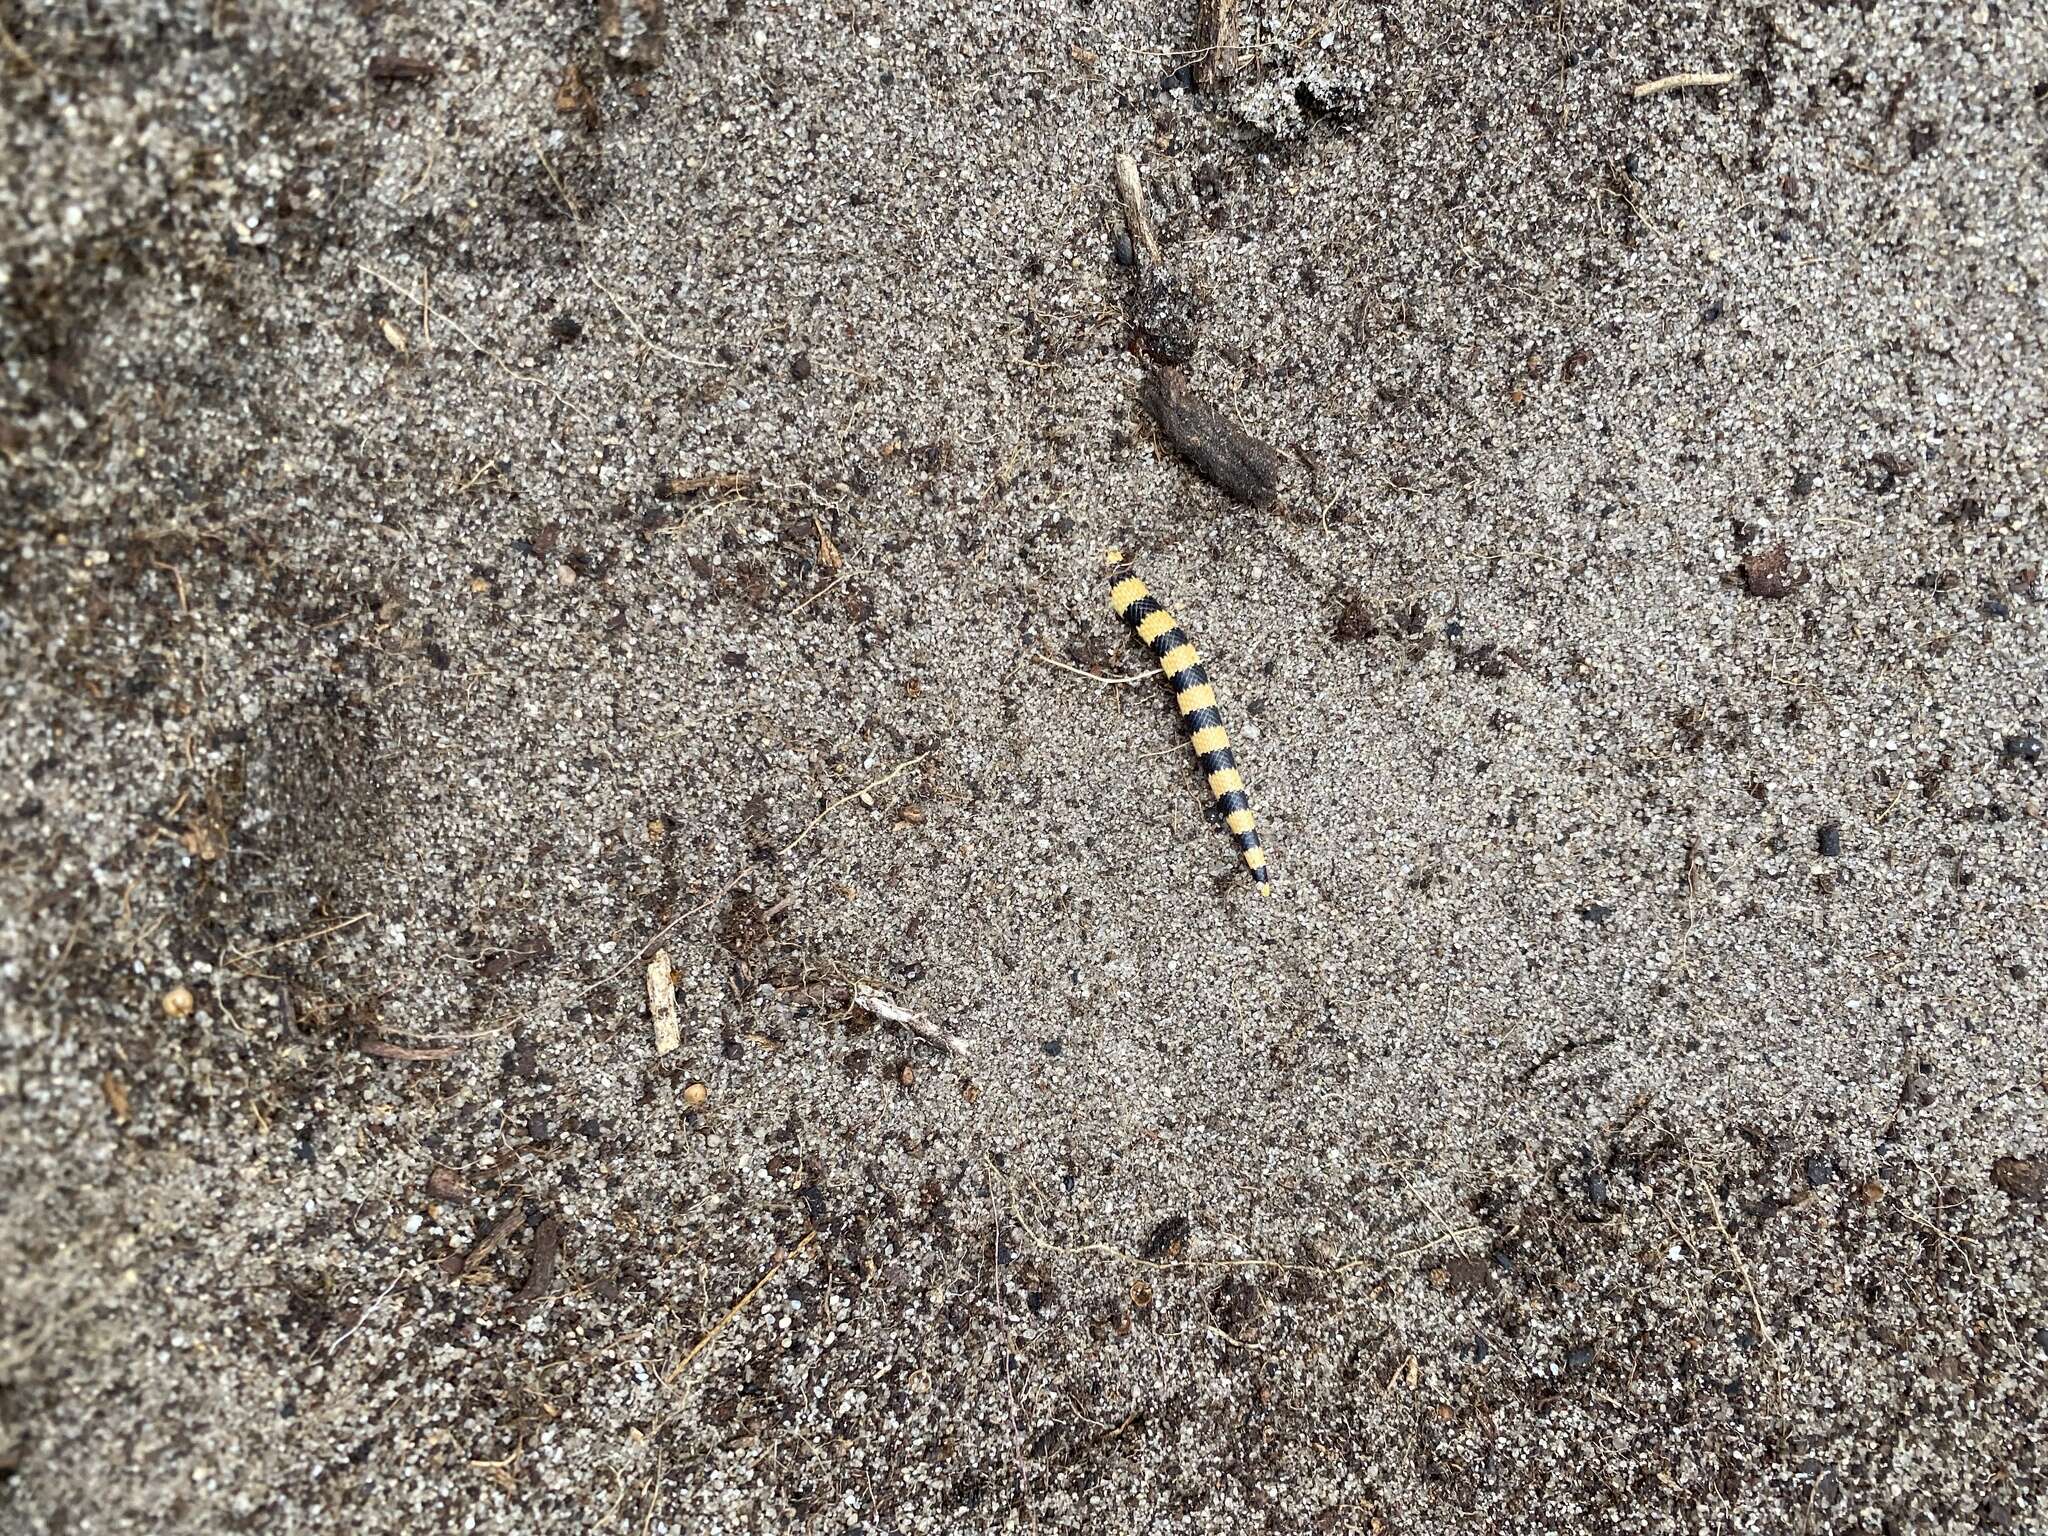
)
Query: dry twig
[
  {"x": 1215, "y": 43},
  {"x": 1131, "y": 192},
  {"x": 1679, "y": 82},
  {"x": 711, "y": 1335},
  {"x": 871, "y": 1001},
  {"x": 661, "y": 1004}
]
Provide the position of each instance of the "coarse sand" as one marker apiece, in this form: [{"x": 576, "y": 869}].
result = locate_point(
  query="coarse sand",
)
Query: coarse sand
[{"x": 495, "y": 491}]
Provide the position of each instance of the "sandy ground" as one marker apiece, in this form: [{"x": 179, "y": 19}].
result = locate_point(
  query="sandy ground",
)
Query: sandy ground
[{"x": 489, "y": 487}]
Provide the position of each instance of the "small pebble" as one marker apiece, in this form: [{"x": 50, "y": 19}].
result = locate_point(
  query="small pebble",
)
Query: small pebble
[
  {"x": 2022, "y": 749},
  {"x": 565, "y": 327},
  {"x": 179, "y": 1002},
  {"x": 1053, "y": 1048},
  {"x": 1803, "y": 482},
  {"x": 1596, "y": 913},
  {"x": 1819, "y": 1170},
  {"x": 800, "y": 367},
  {"x": 1125, "y": 255},
  {"x": 695, "y": 1095},
  {"x": 1830, "y": 840}
]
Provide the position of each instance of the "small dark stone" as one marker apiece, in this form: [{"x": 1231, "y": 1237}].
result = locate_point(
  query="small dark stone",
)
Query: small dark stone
[
  {"x": 1598, "y": 912},
  {"x": 2022, "y": 1178},
  {"x": 728, "y": 354},
  {"x": 1053, "y": 1048},
  {"x": 565, "y": 327},
  {"x": 1920, "y": 138},
  {"x": 800, "y": 367},
  {"x": 1830, "y": 840},
  {"x": 1994, "y": 608},
  {"x": 537, "y": 1127},
  {"x": 1803, "y": 482},
  {"x": 1712, "y": 312},
  {"x": 1819, "y": 1169},
  {"x": 1578, "y": 1358},
  {"x": 1125, "y": 255},
  {"x": 1633, "y": 164},
  {"x": 1182, "y": 79},
  {"x": 2021, "y": 749}
]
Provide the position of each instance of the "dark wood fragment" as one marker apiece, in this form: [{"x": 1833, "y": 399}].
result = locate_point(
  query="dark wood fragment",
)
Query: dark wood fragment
[
  {"x": 394, "y": 1052},
  {"x": 1216, "y": 57},
  {"x": 456, "y": 1265},
  {"x": 547, "y": 1249},
  {"x": 399, "y": 66},
  {"x": 1769, "y": 574},
  {"x": 446, "y": 1184},
  {"x": 1214, "y": 446}
]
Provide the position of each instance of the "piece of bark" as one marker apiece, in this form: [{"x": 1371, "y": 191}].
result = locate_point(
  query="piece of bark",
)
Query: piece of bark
[
  {"x": 661, "y": 1004},
  {"x": 1215, "y": 43},
  {"x": 446, "y": 1184},
  {"x": 397, "y": 66},
  {"x": 1769, "y": 574},
  {"x": 456, "y": 1265},
  {"x": 1213, "y": 445},
  {"x": 547, "y": 1249}
]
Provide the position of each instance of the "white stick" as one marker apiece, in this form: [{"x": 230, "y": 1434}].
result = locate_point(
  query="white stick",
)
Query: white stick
[
  {"x": 1680, "y": 82},
  {"x": 661, "y": 1004},
  {"x": 880, "y": 1006}
]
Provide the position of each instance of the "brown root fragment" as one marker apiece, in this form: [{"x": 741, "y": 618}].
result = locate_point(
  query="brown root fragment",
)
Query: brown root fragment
[{"x": 1213, "y": 445}]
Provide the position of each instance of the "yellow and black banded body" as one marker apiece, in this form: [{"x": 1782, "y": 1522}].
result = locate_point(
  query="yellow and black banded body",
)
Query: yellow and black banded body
[{"x": 1138, "y": 608}]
